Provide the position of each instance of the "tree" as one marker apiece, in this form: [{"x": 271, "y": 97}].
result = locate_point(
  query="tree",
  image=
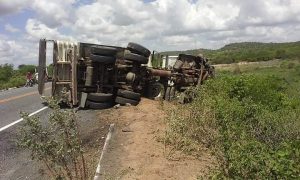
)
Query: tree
[
  {"x": 280, "y": 53},
  {"x": 50, "y": 70},
  {"x": 6, "y": 71},
  {"x": 23, "y": 69}
]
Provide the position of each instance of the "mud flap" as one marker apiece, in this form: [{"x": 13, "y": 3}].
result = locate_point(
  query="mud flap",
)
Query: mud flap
[
  {"x": 42, "y": 66},
  {"x": 83, "y": 100}
]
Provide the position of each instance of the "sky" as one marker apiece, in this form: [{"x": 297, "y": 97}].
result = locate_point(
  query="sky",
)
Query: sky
[{"x": 156, "y": 24}]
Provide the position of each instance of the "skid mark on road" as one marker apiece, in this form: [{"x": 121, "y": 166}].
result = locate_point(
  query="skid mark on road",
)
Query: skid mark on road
[{"x": 20, "y": 96}]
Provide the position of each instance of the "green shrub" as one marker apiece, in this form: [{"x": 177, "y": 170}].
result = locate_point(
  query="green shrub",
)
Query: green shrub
[
  {"x": 14, "y": 78},
  {"x": 58, "y": 145},
  {"x": 50, "y": 70},
  {"x": 287, "y": 64},
  {"x": 23, "y": 69},
  {"x": 237, "y": 69},
  {"x": 6, "y": 71},
  {"x": 17, "y": 81},
  {"x": 249, "y": 122}
]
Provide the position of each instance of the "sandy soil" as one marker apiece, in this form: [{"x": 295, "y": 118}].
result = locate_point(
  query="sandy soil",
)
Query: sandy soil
[{"x": 135, "y": 153}]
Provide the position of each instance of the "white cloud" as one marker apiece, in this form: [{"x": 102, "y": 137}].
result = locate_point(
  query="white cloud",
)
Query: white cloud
[
  {"x": 161, "y": 24},
  {"x": 12, "y": 6},
  {"x": 5, "y": 51},
  {"x": 10, "y": 28},
  {"x": 53, "y": 13},
  {"x": 17, "y": 52},
  {"x": 165, "y": 24},
  {"x": 177, "y": 40},
  {"x": 37, "y": 30}
]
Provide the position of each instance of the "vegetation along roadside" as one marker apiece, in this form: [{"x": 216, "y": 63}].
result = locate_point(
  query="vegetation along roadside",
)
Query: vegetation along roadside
[{"x": 249, "y": 120}]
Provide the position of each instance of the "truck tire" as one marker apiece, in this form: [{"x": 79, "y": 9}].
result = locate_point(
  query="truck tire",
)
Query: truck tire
[
  {"x": 167, "y": 94},
  {"x": 170, "y": 93},
  {"x": 98, "y": 105},
  {"x": 123, "y": 101},
  {"x": 138, "y": 49},
  {"x": 102, "y": 50},
  {"x": 102, "y": 59},
  {"x": 100, "y": 97},
  {"x": 136, "y": 58},
  {"x": 178, "y": 64},
  {"x": 156, "y": 90},
  {"x": 129, "y": 94},
  {"x": 187, "y": 56}
]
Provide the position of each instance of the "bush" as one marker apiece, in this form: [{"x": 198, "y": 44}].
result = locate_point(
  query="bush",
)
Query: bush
[
  {"x": 6, "y": 71},
  {"x": 287, "y": 65},
  {"x": 17, "y": 81},
  {"x": 248, "y": 121},
  {"x": 236, "y": 69},
  {"x": 14, "y": 78},
  {"x": 57, "y": 146},
  {"x": 23, "y": 69}
]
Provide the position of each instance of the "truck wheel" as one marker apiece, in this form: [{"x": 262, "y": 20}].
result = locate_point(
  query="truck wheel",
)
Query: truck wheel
[
  {"x": 172, "y": 93},
  {"x": 138, "y": 49},
  {"x": 102, "y": 50},
  {"x": 135, "y": 58},
  {"x": 100, "y": 97},
  {"x": 187, "y": 56},
  {"x": 156, "y": 90},
  {"x": 167, "y": 94},
  {"x": 129, "y": 94},
  {"x": 123, "y": 101},
  {"x": 178, "y": 64},
  {"x": 102, "y": 59},
  {"x": 98, "y": 105}
]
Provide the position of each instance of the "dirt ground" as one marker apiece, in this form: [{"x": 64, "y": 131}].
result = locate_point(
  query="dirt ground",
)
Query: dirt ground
[
  {"x": 92, "y": 133},
  {"x": 135, "y": 151}
]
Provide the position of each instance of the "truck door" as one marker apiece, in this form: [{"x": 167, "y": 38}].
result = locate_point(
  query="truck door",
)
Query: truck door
[
  {"x": 64, "y": 78},
  {"x": 42, "y": 66}
]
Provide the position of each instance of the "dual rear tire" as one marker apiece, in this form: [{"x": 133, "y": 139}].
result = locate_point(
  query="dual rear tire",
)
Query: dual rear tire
[
  {"x": 105, "y": 100},
  {"x": 103, "y": 54},
  {"x": 99, "y": 100},
  {"x": 137, "y": 53},
  {"x": 127, "y": 97},
  {"x": 170, "y": 94}
]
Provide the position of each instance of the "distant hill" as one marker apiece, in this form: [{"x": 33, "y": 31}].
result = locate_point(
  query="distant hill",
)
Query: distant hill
[{"x": 247, "y": 51}]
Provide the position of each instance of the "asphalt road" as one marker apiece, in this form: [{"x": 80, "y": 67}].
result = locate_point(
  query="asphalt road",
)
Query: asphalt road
[{"x": 15, "y": 162}]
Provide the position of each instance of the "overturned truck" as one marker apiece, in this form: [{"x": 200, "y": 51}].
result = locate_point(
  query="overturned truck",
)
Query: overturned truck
[{"x": 99, "y": 76}]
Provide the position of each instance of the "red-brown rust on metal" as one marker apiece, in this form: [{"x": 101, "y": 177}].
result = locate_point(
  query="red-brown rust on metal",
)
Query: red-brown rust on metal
[{"x": 161, "y": 73}]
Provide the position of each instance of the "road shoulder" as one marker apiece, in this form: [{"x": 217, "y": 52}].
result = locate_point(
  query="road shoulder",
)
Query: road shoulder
[{"x": 137, "y": 152}]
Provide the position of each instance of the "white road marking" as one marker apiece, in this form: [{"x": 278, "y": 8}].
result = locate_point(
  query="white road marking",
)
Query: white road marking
[
  {"x": 17, "y": 121},
  {"x": 108, "y": 137}
]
